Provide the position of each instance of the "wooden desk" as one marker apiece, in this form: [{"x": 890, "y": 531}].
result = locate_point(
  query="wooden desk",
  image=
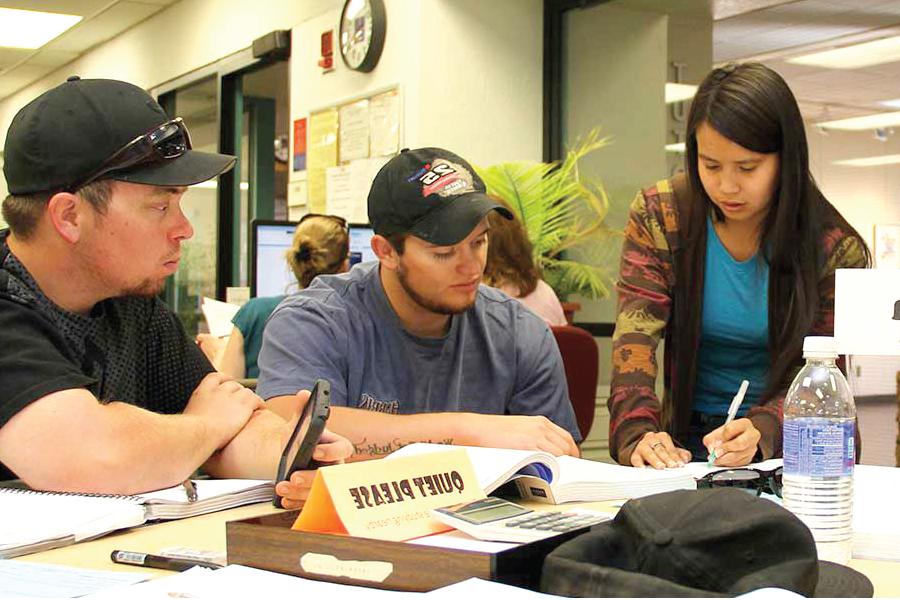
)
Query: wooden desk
[{"x": 207, "y": 532}]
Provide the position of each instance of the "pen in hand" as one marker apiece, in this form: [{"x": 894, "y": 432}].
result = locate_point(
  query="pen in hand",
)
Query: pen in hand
[
  {"x": 154, "y": 561},
  {"x": 732, "y": 412},
  {"x": 190, "y": 489}
]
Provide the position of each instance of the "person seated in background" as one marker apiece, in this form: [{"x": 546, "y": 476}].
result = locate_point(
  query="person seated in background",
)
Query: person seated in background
[
  {"x": 735, "y": 266},
  {"x": 321, "y": 246},
  {"x": 415, "y": 348},
  {"x": 510, "y": 268},
  {"x": 102, "y": 391}
]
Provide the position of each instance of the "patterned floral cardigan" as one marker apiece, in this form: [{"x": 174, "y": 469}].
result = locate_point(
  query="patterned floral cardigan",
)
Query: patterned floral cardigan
[{"x": 651, "y": 269}]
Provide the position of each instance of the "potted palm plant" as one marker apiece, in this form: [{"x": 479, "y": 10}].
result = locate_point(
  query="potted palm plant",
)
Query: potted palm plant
[{"x": 563, "y": 213}]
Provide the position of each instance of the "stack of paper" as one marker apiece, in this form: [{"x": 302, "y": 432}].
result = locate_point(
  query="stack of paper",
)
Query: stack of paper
[
  {"x": 218, "y": 316},
  {"x": 876, "y": 527},
  {"x": 589, "y": 480}
]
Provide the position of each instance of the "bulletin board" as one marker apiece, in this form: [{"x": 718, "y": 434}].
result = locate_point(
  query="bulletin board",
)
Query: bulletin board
[{"x": 346, "y": 146}]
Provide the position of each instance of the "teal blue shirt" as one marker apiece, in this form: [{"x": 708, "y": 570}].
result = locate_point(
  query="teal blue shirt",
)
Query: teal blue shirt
[
  {"x": 734, "y": 337},
  {"x": 251, "y": 321}
]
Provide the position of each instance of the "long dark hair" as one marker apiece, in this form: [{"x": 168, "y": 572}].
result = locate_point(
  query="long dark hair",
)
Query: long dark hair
[{"x": 751, "y": 105}]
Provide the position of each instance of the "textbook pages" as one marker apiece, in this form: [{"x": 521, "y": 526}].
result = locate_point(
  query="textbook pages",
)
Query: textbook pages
[
  {"x": 34, "y": 521},
  {"x": 546, "y": 478}
]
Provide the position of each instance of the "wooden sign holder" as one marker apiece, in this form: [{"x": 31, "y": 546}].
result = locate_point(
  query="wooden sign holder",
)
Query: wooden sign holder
[{"x": 268, "y": 542}]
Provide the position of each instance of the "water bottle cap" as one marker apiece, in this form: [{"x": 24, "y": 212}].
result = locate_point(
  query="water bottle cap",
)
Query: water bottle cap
[{"x": 819, "y": 346}]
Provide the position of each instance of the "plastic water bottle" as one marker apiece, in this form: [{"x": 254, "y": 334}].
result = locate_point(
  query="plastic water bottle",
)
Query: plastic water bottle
[{"x": 819, "y": 450}]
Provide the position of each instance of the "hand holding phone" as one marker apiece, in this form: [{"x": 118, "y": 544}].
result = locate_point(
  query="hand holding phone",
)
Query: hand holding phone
[{"x": 297, "y": 454}]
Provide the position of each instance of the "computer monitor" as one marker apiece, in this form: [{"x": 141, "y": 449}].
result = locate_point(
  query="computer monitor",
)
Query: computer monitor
[
  {"x": 361, "y": 243},
  {"x": 270, "y": 274}
]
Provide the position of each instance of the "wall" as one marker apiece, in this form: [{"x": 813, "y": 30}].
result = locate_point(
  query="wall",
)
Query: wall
[
  {"x": 469, "y": 74},
  {"x": 864, "y": 195}
]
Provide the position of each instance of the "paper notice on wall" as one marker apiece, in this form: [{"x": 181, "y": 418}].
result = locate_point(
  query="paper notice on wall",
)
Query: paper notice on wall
[
  {"x": 339, "y": 193},
  {"x": 322, "y": 140},
  {"x": 353, "y": 131},
  {"x": 347, "y": 188},
  {"x": 384, "y": 124}
]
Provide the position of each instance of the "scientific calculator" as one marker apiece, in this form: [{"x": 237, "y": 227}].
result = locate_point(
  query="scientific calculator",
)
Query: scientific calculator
[{"x": 498, "y": 520}]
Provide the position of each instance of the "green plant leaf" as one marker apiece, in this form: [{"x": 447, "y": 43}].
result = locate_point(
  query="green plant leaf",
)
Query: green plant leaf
[{"x": 563, "y": 214}]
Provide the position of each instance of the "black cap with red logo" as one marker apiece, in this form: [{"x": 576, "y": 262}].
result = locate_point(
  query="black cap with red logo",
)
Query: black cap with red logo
[{"x": 430, "y": 193}]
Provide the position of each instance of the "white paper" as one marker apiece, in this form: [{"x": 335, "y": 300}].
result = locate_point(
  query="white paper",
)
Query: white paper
[
  {"x": 865, "y": 304},
  {"x": 238, "y": 581},
  {"x": 353, "y": 131},
  {"x": 22, "y": 579},
  {"x": 481, "y": 588},
  {"x": 338, "y": 192},
  {"x": 218, "y": 316},
  {"x": 876, "y": 528},
  {"x": 347, "y": 188},
  {"x": 384, "y": 124}
]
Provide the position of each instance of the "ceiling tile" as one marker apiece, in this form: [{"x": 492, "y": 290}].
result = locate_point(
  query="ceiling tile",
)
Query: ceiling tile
[
  {"x": 15, "y": 80},
  {"x": 69, "y": 7},
  {"x": 105, "y": 26},
  {"x": 11, "y": 56},
  {"x": 52, "y": 58}
]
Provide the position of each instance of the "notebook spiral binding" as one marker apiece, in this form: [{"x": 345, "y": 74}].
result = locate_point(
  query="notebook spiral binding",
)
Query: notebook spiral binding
[{"x": 55, "y": 493}]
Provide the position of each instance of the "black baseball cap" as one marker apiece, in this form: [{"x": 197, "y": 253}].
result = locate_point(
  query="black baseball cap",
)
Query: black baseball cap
[
  {"x": 430, "y": 193},
  {"x": 697, "y": 543},
  {"x": 68, "y": 132}
]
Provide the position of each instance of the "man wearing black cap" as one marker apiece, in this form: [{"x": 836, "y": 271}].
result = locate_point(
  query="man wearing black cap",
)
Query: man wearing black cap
[
  {"x": 101, "y": 389},
  {"x": 415, "y": 348}
]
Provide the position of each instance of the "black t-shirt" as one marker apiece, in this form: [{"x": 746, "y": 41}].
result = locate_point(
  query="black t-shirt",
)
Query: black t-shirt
[{"x": 128, "y": 349}]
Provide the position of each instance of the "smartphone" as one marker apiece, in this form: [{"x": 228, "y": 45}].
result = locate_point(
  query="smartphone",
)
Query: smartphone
[{"x": 297, "y": 454}]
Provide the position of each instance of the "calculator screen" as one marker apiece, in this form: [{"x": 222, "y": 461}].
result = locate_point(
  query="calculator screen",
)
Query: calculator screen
[{"x": 486, "y": 511}]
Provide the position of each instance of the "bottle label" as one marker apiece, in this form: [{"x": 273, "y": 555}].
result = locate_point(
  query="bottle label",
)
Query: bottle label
[{"x": 817, "y": 447}]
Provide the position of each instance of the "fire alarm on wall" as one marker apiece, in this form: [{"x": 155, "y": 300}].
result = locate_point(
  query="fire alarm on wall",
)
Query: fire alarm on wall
[{"x": 327, "y": 60}]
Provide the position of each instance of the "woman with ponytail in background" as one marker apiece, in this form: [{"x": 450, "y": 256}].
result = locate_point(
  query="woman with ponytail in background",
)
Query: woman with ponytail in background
[{"x": 321, "y": 246}]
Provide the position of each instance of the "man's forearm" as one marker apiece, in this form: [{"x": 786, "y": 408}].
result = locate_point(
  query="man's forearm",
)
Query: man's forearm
[
  {"x": 254, "y": 451},
  {"x": 375, "y": 435},
  {"x": 118, "y": 449}
]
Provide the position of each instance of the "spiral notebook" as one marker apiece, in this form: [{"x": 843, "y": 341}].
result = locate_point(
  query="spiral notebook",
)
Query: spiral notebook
[{"x": 34, "y": 521}]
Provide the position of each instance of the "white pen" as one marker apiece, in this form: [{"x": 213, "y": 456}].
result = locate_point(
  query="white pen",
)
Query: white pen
[{"x": 732, "y": 412}]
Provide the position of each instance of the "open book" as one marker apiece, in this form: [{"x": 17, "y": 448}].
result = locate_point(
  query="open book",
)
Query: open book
[
  {"x": 34, "y": 521},
  {"x": 556, "y": 479}
]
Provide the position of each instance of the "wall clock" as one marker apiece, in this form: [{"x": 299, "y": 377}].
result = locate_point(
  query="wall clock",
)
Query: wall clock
[{"x": 362, "y": 29}]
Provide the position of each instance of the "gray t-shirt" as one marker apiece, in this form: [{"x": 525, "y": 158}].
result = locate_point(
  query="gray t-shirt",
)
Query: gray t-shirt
[{"x": 497, "y": 358}]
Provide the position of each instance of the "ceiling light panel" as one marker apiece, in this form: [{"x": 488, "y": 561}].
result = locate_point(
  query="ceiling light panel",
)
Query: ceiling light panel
[
  {"x": 889, "y": 119},
  {"x": 32, "y": 29},
  {"x": 870, "y": 161},
  {"x": 864, "y": 54}
]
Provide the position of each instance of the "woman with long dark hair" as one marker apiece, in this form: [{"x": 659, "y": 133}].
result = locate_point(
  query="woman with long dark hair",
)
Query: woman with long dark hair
[{"x": 734, "y": 264}]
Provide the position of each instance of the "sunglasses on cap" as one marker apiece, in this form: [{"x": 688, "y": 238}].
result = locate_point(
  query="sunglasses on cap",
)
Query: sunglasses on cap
[
  {"x": 167, "y": 141},
  {"x": 751, "y": 480}
]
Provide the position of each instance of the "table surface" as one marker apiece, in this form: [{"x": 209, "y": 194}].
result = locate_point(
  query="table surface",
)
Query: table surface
[{"x": 207, "y": 532}]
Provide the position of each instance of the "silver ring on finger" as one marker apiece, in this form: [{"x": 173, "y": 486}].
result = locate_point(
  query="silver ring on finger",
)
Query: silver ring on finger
[{"x": 654, "y": 445}]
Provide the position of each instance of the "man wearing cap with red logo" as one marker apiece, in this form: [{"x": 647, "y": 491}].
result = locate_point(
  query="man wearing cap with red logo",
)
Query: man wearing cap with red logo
[
  {"x": 415, "y": 348},
  {"x": 102, "y": 391}
]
